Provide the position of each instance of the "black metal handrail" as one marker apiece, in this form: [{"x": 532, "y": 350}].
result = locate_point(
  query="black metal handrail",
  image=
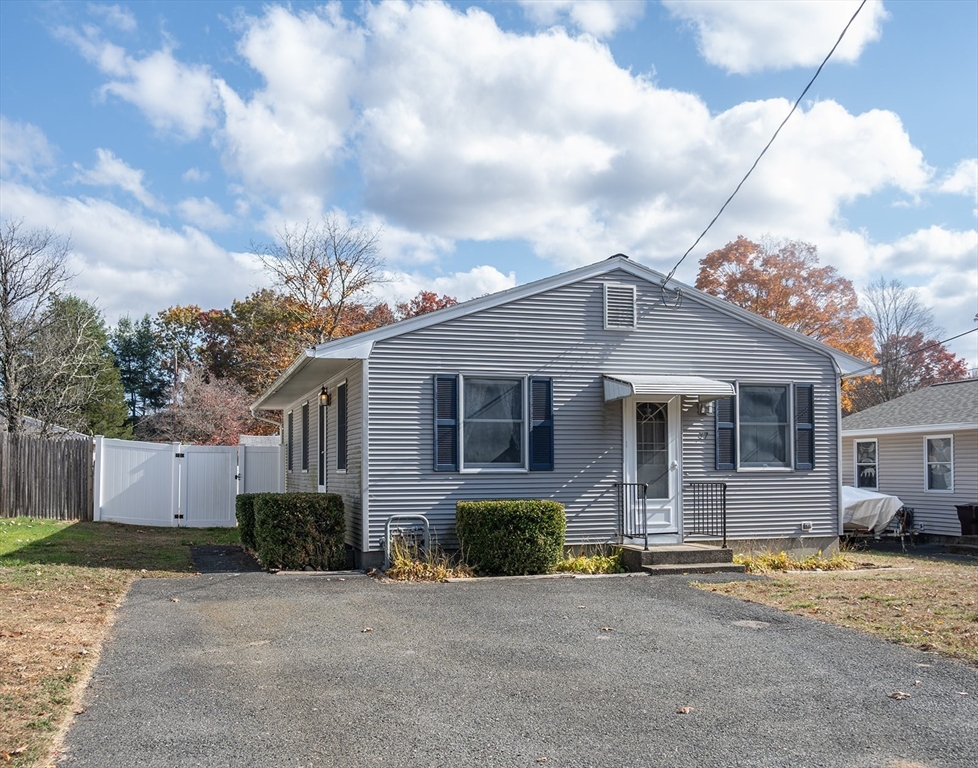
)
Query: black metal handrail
[
  {"x": 705, "y": 510},
  {"x": 633, "y": 521}
]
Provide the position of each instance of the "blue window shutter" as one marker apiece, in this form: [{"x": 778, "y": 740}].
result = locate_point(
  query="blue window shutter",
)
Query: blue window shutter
[
  {"x": 341, "y": 426},
  {"x": 726, "y": 433},
  {"x": 446, "y": 424},
  {"x": 541, "y": 424},
  {"x": 804, "y": 426}
]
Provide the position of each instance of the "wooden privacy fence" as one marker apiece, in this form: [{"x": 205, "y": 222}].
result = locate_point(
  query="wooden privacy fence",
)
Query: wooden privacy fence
[{"x": 40, "y": 477}]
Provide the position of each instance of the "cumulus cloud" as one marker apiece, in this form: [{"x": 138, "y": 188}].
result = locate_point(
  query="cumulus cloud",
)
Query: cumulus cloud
[
  {"x": 128, "y": 264},
  {"x": 195, "y": 176},
  {"x": 744, "y": 36},
  {"x": 110, "y": 171},
  {"x": 173, "y": 96},
  {"x": 204, "y": 213},
  {"x": 963, "y": 180},
  {"x": 478, "y": 281},
  {"x": 601, "y": 18},
  {"x": 24, "y": 150}
]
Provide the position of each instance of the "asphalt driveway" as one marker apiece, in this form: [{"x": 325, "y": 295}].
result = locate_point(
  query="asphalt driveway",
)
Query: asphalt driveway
[{"x": 258, "y": 670}]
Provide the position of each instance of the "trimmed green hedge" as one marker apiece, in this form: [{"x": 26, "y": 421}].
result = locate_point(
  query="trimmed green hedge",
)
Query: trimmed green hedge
[
  {"x": 298, "y": 530},
  {"x": 244, "y": 510},
  {"x": 511, "y": 537}
]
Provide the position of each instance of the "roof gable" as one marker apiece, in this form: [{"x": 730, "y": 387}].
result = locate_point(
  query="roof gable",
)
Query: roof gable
[{"x": 354, "y": 346}]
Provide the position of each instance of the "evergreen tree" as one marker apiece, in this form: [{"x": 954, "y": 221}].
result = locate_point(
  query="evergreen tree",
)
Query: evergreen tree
[{"x": 141, "y": 364}]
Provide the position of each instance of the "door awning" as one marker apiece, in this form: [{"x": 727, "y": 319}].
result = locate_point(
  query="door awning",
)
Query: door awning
[{"x": 705, "y": 390}]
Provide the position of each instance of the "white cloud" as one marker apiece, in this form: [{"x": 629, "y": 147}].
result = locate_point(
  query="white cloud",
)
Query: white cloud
[
  {"x": 24, "y": 149},
  {"x": 204, "y": 213},
  {"x": 195, "y": 176},
  {"x": 110, "y": 171},
  {"x": 963, "y": 180},
  {"x": 114, "y": 15},
  {"x": 128, "y": 264},
  {"x": 172, "y": 95},
  {"x": 744, "y": 36},
  {"x": 601, "y": 18},
  {"x": 478, "y": 281}
]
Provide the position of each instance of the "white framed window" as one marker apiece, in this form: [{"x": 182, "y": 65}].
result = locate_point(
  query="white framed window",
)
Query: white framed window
[
  {"x": 486, "y": 423},
  {"x": 939, "y": 463},
  {"x": 865, "y": 454},
  {"x": 766, "y": 426},
  {"x": 493, "y": 422}
]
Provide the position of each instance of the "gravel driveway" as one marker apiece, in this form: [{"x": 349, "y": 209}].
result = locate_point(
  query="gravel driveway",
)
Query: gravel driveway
[{"x": 259, "y": 670}]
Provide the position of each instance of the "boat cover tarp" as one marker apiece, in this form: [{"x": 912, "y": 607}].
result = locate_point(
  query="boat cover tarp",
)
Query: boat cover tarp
[{"x": 867, "y": 510}]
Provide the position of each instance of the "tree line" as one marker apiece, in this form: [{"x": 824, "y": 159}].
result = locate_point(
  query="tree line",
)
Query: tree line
[{"x": 190, "y": 374}]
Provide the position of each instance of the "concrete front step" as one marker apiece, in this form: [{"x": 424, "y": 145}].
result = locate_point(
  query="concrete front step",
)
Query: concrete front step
[
  {"x": 636, "y": 558},
  {"x": 676, "y": 569}
]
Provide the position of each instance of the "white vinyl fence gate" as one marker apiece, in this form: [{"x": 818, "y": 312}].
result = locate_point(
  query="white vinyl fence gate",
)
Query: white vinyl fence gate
[{"x": 169, "y": 484}]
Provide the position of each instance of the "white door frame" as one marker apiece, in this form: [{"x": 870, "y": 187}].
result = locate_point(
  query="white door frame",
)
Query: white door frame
[{"x": 663, "y": 514}]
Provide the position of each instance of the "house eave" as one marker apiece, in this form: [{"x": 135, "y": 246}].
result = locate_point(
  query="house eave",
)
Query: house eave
[
  {"x": 311, "y": 369},
  {"x": 910, "y": 429}
]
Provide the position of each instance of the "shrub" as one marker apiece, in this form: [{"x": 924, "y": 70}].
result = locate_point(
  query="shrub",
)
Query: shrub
[
  {"x": 511, "y": 537},
  {"x": 298, "y": 530},
  {"x": 244, "y": 510}
]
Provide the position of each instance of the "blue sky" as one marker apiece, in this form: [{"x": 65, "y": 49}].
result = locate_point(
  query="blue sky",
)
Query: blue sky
[{"x": 495, "y": 143}]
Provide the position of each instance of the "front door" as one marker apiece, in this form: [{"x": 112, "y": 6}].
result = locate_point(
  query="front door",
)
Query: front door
[{"x": 652, "y": 457}]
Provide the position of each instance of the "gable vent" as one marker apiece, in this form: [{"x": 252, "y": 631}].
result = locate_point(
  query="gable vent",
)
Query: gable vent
[{"x": 619, "y": 307}]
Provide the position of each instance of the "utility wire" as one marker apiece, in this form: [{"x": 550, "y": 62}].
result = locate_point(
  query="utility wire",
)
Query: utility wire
[
  {"x": 767, "y": 146},
  {"x": 911, "y": 352}
]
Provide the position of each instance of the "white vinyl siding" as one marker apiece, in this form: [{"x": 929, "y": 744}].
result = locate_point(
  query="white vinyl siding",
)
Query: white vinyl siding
[{"x": 902, "y": 465}]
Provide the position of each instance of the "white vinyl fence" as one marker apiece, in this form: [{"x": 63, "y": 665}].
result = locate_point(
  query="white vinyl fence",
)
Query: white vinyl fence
[{"x": 170, "y": 484}]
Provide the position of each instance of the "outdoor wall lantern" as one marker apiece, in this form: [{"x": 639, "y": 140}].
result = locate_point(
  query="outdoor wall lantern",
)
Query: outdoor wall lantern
[
  {"x": 706, "y": 409},
  {"x": 324, "y": 398}
]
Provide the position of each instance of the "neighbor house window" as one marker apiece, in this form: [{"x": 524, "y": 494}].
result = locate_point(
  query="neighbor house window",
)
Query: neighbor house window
[
  {"x": 493, "y": 422},
  {"x": 866, "y": 464},
  {"x": 341, "y": 427},
  {"x": 939, "y": 461},
  {"x": 289, "y": 432},
  {"x": 305, "y": 437},
  {"x": 766, "y": 426}
]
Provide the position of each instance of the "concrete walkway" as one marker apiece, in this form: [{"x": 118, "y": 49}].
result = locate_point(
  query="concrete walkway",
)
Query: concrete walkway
[{"x": 306, "y": 670}]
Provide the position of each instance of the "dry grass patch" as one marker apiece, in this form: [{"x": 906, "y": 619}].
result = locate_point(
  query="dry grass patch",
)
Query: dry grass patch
[
  {"x": 924, "y": 602},
  {"x": 60, "y": 584}
]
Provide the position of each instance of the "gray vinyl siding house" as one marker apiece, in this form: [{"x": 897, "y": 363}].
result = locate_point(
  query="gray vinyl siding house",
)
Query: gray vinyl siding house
[
  {"x": 922, "y": 447},
  {"x": 563, "y": 388}
]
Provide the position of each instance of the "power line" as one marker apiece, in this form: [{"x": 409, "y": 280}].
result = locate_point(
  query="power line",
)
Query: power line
[
  {"x": 767, "y": 146},
  {"x": 911, "y": 352}
]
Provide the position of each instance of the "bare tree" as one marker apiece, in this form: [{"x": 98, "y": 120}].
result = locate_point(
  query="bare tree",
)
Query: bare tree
[
  {"x": 205, "y": 411},
  {"x": 322, "y": 268},
  {"x": 903, "y": 333},
  {"x": 33, "y": 269}
]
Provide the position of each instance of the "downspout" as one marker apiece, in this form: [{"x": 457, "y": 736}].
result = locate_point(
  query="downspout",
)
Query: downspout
[{"x": 838, "y": 445}]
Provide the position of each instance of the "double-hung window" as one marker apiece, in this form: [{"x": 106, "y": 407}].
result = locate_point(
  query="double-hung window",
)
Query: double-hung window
[
  {"x": 867, "y": 464},
  {"x": 939, "y": 462},
  {"x": 493, "y": 422},
  {"x": 766, "y": 426}
]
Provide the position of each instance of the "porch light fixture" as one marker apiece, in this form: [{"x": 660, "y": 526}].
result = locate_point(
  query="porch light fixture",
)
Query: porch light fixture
[
  {"x": 324, "y": 398},
  {"x": 706, "y": 409}
]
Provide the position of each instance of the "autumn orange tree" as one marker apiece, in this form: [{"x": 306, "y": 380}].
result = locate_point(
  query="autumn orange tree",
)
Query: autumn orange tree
[{"x": 783, "y": 281}]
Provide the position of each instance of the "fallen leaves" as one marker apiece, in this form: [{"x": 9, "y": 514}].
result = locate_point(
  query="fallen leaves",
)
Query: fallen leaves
[
  {"x": 899, "y": 695},
  {"x": 367, "y": 629},
  {"x": 607, "y": 629},
  {"x": 684, "y": 710}
]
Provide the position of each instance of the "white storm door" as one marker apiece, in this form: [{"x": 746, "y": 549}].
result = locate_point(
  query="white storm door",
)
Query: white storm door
[{"x": 652, "y": 457}]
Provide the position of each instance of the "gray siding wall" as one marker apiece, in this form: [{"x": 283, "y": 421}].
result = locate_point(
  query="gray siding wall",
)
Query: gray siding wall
[
  {"x": 560, "y": 334},
  {"x": 901, "y": 472},
  {"x": 348, "y": 483}
]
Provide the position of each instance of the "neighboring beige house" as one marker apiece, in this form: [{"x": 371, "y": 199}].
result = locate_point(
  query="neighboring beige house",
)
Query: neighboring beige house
[{"x": 922, "y": 447}]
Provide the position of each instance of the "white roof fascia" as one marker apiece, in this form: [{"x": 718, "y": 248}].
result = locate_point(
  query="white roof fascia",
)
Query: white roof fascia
[
  {"x": 911, "y": 429},
  {"x": 617, "y": 387},
  {"x": 344, "y": 353}
]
